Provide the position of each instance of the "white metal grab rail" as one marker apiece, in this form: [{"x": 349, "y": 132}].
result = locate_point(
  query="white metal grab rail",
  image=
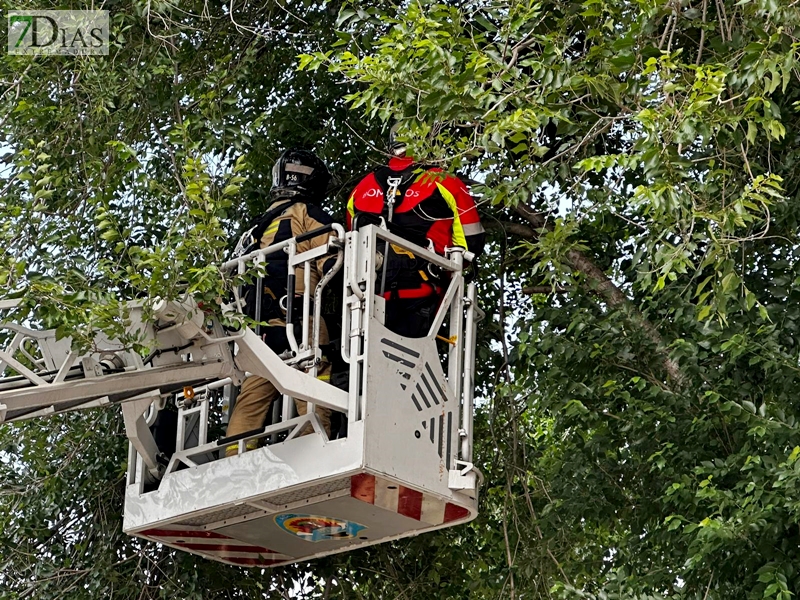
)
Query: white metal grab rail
[
  {"x": 362, "y": 307},
  {"x": 359, "y": 308},
  {"x": 293, "y": 375}
]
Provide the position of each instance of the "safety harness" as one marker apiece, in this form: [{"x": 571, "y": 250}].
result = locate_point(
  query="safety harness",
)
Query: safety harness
[{"x": 404, "y": 275}]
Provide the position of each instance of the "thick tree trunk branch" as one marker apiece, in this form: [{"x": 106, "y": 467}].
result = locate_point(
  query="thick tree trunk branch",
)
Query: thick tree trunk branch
[
  {"x": 544, "y": 289},
  {"x": 599, "y": 283},
  {"x": 517, "y": 229}
]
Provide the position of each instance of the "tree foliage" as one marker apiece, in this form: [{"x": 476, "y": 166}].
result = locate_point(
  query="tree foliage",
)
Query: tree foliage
[{"x": 635, "y": 163}]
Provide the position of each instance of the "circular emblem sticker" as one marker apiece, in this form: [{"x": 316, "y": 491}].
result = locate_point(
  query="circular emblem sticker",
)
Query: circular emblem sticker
[{"x": 314, "y": 528}]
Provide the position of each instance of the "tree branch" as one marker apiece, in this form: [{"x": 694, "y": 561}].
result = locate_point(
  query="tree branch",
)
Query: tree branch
[
  {"x": 516, "y": 228},
  {"x": 544, "y": 289},
  {"x": 599, "y": 283},
  {"x": 702, "y": 34}
]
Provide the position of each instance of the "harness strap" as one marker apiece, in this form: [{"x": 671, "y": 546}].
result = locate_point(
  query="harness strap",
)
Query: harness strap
[{"x": 390, "y": 195}]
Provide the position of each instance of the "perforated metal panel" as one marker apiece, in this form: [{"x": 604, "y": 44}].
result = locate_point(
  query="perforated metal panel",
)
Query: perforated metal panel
[
  {"x": 310, "y": 492},
  {"x": 220, "y": 515}
]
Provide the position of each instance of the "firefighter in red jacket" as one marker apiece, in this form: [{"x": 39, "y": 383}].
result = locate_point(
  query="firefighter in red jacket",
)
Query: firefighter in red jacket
[{"x": 429, "y": 208}]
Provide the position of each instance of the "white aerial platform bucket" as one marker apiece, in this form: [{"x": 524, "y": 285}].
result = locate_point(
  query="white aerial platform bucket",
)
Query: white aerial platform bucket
[
  {"x": 308, "y": 497},
  {"x": 403, "y": 468}
]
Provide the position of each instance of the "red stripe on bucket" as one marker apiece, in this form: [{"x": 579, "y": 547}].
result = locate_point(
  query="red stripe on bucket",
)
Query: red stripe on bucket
[
  {"x": 454, "y": 512},
  {"x": 409, "y": 503},
  {"x": 217, "y": 545},
  {"x": 362, "y": 487}
]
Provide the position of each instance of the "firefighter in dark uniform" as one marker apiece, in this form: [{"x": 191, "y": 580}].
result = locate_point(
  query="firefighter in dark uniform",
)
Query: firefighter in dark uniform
[
  {"x": 429, "y": 208},
  {"x": 299, "y": 184}
]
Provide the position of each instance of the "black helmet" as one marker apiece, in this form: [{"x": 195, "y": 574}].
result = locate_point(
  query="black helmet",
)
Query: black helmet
[{"x": 299, "y": 172}]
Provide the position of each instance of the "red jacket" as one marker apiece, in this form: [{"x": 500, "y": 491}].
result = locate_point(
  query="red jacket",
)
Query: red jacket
[{"x": 429, "y": 205}]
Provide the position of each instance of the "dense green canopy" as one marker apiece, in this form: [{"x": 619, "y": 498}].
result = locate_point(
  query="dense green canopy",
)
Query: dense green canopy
[{"x": 635, "y": 163}]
